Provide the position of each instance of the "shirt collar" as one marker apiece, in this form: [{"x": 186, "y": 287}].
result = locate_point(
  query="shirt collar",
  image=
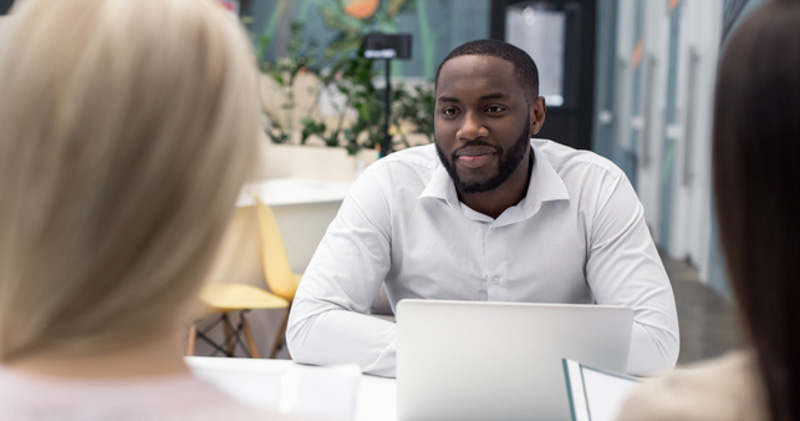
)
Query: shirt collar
[
  {"x": 545, "y": 185},
  {"x": 441, "y": 186}
]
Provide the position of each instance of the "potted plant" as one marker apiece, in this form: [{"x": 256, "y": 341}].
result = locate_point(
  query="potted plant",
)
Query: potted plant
[{"x": 357, "y": 128}]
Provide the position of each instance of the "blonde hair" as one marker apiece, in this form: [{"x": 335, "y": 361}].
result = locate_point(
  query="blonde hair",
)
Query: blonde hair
[{"x": 126, "y": 131}]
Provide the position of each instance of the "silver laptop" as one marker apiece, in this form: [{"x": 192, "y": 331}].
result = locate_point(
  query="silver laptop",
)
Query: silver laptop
[{"x": 467, "y": 360}]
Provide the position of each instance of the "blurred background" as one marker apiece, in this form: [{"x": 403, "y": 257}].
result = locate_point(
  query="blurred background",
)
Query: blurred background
[{"x": 632, "y": 80}]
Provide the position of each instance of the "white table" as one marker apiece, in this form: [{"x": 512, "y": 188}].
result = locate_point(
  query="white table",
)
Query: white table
[
  {"x": 294, "y": 191},
  {"x": 333, "y": 393}
]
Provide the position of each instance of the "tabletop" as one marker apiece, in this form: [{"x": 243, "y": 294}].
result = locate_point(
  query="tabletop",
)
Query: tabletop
[
  {"x": 326, "y": 393},
  {"x": 294, "y": 191}
]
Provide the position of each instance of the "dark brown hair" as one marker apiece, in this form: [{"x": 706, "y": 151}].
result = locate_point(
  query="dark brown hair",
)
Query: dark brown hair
[{"x": 757, "y": 185}]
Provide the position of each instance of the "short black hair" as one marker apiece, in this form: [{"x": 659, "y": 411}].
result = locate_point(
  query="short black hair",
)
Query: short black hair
[{"x": 525, "y": 70}]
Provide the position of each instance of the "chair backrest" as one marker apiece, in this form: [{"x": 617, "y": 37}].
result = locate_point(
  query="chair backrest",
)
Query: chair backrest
[{"x": 277, "y": 270}]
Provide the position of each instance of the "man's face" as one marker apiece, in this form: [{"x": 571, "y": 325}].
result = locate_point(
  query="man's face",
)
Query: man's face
[{"x": 481, "y": 122}]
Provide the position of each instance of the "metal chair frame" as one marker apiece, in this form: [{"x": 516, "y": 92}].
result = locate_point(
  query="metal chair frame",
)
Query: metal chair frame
[{"x": 233, "y": 336}]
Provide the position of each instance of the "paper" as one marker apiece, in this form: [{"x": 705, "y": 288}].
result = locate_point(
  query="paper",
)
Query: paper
[
  {"x": 595, "y": 395},
  {"x": 320, "y": 392}
]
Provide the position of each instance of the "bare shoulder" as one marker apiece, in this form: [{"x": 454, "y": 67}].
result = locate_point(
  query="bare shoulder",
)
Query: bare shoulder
[{"x": 726, "y": 388}]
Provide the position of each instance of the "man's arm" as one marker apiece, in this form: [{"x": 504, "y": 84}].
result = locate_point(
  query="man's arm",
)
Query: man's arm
[
  {"x": 329, "y": 322},
  {"x": 624, "y": 268}
]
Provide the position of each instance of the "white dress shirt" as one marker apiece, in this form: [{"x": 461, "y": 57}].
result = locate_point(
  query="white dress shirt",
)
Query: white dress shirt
[{"x": 578, "y": 236}]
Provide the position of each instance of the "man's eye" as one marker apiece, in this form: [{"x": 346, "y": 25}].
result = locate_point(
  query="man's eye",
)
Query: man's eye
[
  {"x": 449, "y": 111},
  {"x": 495, "y": 109}
]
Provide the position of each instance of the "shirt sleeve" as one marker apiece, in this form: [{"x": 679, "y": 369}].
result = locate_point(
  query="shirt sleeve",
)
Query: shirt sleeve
[
  {"x": 329, "y": 323},
  {"x": 624, "y": 268}
]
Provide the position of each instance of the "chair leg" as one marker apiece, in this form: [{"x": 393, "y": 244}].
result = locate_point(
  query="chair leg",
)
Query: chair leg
[
  {"x": 248, "y": 335},
  {"x": 230, "y": 343},
  {"x": 190, "y": 341},
  {"x": 276, "y": 345},
  {"x": 231, "y": 337}
]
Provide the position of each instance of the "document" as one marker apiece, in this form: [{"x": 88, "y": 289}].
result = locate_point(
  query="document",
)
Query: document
[{"x": 595, "y": 395}]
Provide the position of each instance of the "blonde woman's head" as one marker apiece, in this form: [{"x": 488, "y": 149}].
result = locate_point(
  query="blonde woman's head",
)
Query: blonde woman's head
[{"x": 126, "y": 130}]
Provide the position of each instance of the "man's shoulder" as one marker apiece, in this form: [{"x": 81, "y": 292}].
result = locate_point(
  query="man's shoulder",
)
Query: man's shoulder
[
  {"x": 424, "y": 155},
  {"x": 415, "y": 159},
  {"x": 404, "y": 173},
  {"x": 564, "y": 159}
]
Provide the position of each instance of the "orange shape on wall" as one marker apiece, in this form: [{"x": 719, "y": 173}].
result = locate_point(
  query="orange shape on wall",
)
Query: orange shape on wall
[{"x": 360, "y": 9}]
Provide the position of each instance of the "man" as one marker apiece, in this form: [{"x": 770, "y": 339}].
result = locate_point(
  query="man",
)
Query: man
[{"x": 486, "y": 213}]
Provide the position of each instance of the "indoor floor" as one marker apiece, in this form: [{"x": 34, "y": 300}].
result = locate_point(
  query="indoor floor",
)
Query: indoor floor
[{"x": 707, "y": 320}]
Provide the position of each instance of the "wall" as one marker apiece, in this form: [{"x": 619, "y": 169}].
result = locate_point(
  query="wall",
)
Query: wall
[
  {"x": 654, "y": 112},
  {"x": 656, "y": 70}
]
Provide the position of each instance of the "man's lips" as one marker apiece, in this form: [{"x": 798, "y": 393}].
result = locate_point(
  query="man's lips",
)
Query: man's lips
[{"x": 475, "y": 156}]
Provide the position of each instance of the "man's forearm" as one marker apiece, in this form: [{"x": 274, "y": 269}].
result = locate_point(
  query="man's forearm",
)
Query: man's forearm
[
  {"x": 339, "y": 336},
  {"x": 653, "y": 350}
]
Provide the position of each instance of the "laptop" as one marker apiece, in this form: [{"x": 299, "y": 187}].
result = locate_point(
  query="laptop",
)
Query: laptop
[{"x": 468, "y": 360}]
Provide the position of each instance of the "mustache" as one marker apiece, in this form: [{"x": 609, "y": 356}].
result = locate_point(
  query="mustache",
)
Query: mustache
[{"x": 474, "y": 143}]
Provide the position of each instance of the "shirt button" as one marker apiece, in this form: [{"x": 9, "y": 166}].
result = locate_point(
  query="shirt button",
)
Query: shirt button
[{"x": 495, "y": 279}]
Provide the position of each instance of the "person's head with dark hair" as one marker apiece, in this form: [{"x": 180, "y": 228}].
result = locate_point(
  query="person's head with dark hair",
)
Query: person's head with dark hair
[
  {"x": 757, "y": 186},
  {"x": 487, "y": 108},
  {"x": 525, "y": 70}
]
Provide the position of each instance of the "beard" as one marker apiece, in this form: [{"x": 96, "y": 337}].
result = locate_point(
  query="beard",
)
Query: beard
[{"x": 508, "y": 163}]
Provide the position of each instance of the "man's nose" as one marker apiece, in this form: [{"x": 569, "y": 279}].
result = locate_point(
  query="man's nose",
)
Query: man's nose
[{"x": 472, "y": 128}]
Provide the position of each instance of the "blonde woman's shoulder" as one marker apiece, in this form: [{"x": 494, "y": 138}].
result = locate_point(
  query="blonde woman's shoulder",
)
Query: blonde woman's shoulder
[
  {"x": 726, "y": 388},
  {"x": 5, "y": 32},
  {"x": 5, "y": 25}
]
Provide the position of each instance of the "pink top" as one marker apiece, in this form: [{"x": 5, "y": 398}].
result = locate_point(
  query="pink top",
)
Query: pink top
[{"x": 181, "y": 397}]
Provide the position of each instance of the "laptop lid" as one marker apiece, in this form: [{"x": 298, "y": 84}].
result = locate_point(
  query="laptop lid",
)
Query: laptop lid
[{"x": 497, "y": 360}]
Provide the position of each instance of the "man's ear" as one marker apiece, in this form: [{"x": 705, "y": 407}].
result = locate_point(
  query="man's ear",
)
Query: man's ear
[{"x": 538, "y": 111}]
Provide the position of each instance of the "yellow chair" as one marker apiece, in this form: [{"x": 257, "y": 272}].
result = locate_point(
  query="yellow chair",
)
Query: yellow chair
[
  {"x": 224, "y": 299},
  {"x": 277, "y": 271}
]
